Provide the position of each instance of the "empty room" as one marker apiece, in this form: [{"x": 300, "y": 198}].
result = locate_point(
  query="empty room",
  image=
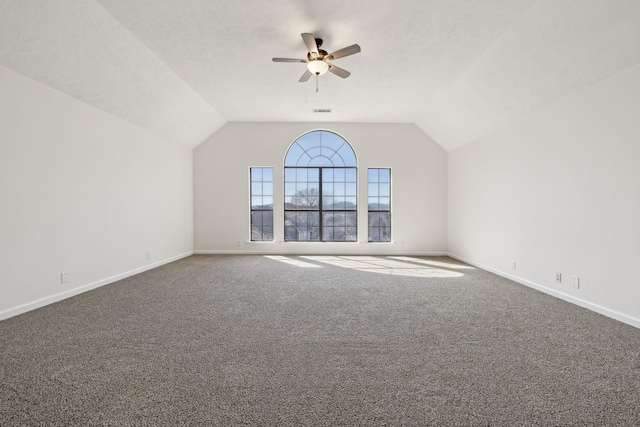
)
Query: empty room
[{"x": 319, "y": 213}]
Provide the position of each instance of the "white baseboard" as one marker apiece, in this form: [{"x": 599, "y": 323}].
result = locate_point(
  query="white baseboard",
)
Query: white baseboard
[
  {"x": 23, "y": 308},
  {"x": 624, "y": 318},
  {"x": 295, "y": 253}
]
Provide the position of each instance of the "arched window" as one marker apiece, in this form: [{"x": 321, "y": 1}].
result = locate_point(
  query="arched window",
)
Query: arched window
[{"x": 320, "y": 189}]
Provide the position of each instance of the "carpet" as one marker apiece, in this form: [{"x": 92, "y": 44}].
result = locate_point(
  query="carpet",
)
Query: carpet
[{"x": 231, "y": 340}]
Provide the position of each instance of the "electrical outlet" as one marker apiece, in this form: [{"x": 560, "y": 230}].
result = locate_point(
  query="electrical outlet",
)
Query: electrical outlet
[
  {"x": 559, "y": 277},
  {"x": 64, "y": 277},
  {"x": 513, "y": 265},
  {"x": 576, "y": 282}
]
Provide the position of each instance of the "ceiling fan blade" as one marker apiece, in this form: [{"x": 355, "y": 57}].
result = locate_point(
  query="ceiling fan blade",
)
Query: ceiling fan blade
[
  {"x": 305, "y": 76},
  {"x": 349, "y": 50},
  {"x": 340, "y": 72},
  {"x": 310, "y": 41},
  {"x": 288, "y": 60}
]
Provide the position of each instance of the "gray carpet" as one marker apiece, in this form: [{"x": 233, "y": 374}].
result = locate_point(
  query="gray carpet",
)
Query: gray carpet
[{"x": 249, "y": 340}]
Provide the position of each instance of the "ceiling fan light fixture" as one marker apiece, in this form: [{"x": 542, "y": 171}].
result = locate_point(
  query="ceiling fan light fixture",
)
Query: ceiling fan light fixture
[{"x": 318, "y": 67}]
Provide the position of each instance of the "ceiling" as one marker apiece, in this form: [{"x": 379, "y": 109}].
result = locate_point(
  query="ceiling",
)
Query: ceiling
[{"x": 458, "y": 69}]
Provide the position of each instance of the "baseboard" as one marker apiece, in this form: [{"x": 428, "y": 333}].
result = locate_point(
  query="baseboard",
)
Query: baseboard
[
  {"x": 624, "y": 318},
  {"x": 295, "y": 253},
  {"x": 14, "y": 311}
]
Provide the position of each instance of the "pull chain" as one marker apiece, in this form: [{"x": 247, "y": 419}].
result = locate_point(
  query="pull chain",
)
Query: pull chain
[{"x": 316, "y": 83}]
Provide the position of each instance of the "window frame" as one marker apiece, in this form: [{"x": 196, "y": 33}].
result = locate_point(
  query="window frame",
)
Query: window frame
[
  {"x": 262, "y": 209},
  {"x": 377, "y": 210},
  {"x": 311, "y": 152}
]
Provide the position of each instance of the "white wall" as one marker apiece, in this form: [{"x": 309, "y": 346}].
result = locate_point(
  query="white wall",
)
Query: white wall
[
  {"x": 82, "y": 192},
  {"x": 221, "y": 174},
  {"x": 559, "y": 191}
]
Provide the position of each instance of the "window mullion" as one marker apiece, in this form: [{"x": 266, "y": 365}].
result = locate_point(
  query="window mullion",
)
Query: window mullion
[{"x": 320, "y": 204}]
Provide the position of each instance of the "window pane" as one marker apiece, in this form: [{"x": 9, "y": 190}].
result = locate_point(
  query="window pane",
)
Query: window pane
[
  {"x": 256, "y": 202},
  {"x": 295, "y": 151},
  {"x": 348, "y": 156},
  {"x": 303, "y": 160},
  {"x": 267, "y": 218},
  {"x": 372, "y": 175},
  {"x": 289, "y": 189},
  {"x": 327, "y": 219},
  {"x": 290, "y": 218},
  {"x": 327, "y": 203},
  {"x": 320, "y": 161},
  {"x": 374, "y": 219},
  {"x": 339, "y": 175},
  {"x": 336, "y": 160},
  {"x": 327, "y": 175},
  {"x": 372, "y": 189},
  {"x": 385, "y": 189},
  {"x": 309, "y": 140},
  {"x": 338, "y": 203},
  {"x": 385, "y": 219},
  {"x": 384, "y": 203},
  {"x": 256, "y": 219},
  {"x": 256, "y": 188},
  {"x": 314, "y": 233},
  {"x": 350, "y": 203},
  {"x": 327, "y": 152},
  {"x": 267, "y": 188},
  {"x": 314, "y": 218},
  {"x": 290, "y": 175},
  {"x": 351, "y": 234},
  {"x": 301, "y": 188},
  {"x": 339, "y": 218},
  {"x": 350, "y": 189},
  {"x": 313, "y": 174},
  {"x": 385, "y": 175},
  {"x": 290, "y": 233},
  {"x": 261, "y": 225},
  {"x": 256, "y": 174},
  {"x": 351, "y": 175},
  {"x": 385, "y": 234},
  {"x": 351, "y": 218},
  {"x": 327, "y": 234},
  {"x": 332, "y": 140},
  {"x": 314, "y": 152}
]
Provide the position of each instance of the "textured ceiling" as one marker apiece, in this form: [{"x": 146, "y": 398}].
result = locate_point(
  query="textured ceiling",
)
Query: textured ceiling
[{"x": 458, "y": 69}]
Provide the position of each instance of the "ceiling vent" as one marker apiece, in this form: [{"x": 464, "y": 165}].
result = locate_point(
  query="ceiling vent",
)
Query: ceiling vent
[{"x": 321, "y": 110}]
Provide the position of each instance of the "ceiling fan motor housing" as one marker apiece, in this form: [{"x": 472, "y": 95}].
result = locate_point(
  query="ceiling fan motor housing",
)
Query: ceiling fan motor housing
[{"x": 321, "y": 55}]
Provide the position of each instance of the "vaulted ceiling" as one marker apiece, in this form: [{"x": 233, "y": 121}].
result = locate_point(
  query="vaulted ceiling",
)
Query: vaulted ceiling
[{"x": 458, "y": 69}]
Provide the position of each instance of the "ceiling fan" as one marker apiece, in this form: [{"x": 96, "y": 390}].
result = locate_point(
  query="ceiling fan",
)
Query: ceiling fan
[{"x": 317, "y": 59}]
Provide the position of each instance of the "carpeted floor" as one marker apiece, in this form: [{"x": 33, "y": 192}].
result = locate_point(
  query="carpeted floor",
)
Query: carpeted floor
[{"x": 317, "y": 341}]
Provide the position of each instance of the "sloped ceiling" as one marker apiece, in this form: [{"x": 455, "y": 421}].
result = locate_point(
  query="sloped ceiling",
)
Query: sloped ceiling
[{"x": 458, "y": 69}]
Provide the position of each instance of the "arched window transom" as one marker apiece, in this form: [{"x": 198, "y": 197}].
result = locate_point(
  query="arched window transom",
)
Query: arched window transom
[{"x": 320, "y": 148}]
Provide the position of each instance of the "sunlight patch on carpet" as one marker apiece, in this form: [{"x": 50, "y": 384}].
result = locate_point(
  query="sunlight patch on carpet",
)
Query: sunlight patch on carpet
[{"x": 384, "y": 265}]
